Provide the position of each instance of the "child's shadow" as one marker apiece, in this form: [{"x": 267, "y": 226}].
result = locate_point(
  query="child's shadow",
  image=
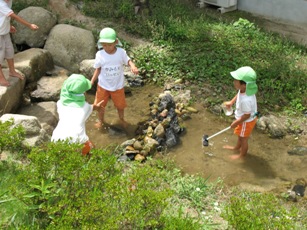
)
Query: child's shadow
[
  {"x": 119, "y": 130},
  {"x": 259, "y": 166}
]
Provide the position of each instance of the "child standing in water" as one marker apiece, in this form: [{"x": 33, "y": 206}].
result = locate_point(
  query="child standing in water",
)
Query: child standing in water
[
  {"x": 246, "y": 108},
  {"x": 73, "y": 112},
  {"x": 109, "y": 69}
]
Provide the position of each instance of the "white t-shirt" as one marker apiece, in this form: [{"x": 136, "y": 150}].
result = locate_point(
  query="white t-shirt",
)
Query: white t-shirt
[
  {"x": 5, "y": 12},
  {"x": 72, "y": 123},
  {"x": 246, "y": 105},
  {"x": 111, "y": 76}
]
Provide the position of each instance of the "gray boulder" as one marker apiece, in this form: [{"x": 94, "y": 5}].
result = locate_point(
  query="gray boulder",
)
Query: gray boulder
[
  {"x": 35, "y": 134},
  {"x": 46, "y": 113},
  {"x": 34, "y": 63},
  {"x": 87, "y": 68},
  {"x": 48, "y": 88},
  {"x": 35, "y": 15},
  {"x": 10, "y": 97},
  {"x": 69, "y": 45},
  {"x": 272, "y": 125}
]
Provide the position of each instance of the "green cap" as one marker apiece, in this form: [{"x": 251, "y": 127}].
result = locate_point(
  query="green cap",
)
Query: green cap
[
  {"x": 248, "y": 75},
  {"x": 73, "y": 89},
  {"x": 107, "y": 35}
]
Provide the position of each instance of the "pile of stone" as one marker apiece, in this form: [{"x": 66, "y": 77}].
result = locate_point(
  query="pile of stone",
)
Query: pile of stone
[{"x": 161, "y": 131}]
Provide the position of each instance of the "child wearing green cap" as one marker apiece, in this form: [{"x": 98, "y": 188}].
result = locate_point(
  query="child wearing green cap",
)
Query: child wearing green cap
[
  {"x": 109, "y": 70},
  {"x": 73, "y": 112},
  {"x": 246, "y": 108}
]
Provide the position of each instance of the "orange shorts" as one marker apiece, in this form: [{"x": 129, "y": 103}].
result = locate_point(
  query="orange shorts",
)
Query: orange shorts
[
  {"x": 87, "y": 148},
  {"x": 245, "y": 129},
  {"x": 118, "y": 97}
]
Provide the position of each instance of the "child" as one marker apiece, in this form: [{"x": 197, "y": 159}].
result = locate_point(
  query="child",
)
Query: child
[
  {"x": 109, "y": 70},
  {"x": 246, "y": 108},
  {"x": 73, "y": 112},
  {"x": 6, "y": 46}
]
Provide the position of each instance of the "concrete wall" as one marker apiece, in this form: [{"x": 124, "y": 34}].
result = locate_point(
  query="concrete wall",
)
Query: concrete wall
[{"x": 290, "y": 11}]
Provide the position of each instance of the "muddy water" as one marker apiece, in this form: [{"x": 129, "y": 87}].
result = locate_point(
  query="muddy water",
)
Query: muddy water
[{"x": 267, "y": 164}]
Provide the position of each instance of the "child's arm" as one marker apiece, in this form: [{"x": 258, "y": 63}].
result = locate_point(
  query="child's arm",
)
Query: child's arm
[
  {"x": 231, "y": 102},
  {"x": 98, "y": 106},
  {"x": 95, "y": 75},
  {"x": 134, "y": 69},
  {"x": 240, "y": 120},
  {"x": 24, "y": 22}
]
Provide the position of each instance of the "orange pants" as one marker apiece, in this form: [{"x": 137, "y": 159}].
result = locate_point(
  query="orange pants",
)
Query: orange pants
[
  {"x": 87, "y": 148},
  {"x": 245, "y": 129},
  {"x": 118, "y": 97}
]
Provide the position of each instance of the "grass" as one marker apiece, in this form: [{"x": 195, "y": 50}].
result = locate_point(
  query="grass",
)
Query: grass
[
  {"x": 64, "y": 190},
  {"x": 201, "y": 46}
]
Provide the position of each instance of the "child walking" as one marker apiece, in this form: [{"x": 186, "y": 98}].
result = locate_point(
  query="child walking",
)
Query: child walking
[
  {"x": 73, "y": 112},
  {"x": 6, "y": 46},
  {"x": 246, "y": 108},
  {"x": 109, "y": 69}
]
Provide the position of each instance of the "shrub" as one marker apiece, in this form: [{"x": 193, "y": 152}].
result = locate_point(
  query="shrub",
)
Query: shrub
[
  {"x": 67, "y": 190},
  {"x": 11, "y": 137}
]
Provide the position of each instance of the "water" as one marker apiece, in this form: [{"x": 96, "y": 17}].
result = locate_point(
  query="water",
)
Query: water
[{"x": 267, "y": 163}]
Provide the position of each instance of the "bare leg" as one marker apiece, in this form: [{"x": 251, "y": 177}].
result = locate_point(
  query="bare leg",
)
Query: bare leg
[
  {"x": 237, "y": 147},
  {"x": 3, "y": 81},
  {"x": 121, "y": 116},
  {"x": 99, "y": 124},
  {"x": 243, "y": 149},
  {"x": 13, "y": 73}
]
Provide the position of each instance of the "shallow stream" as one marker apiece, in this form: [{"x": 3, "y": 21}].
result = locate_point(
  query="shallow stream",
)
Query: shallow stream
[{"x": 266, "y": 166}]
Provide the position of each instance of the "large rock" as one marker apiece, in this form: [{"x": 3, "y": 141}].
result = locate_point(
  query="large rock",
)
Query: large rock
[
  {"x": 46, "y": 113},
  {"x": 34, "y": 63},
  {"x": 35, "y": 15},
  {"x": 272, "y": 125},
  {"x": 87, "y": 68},
  {"x": 34, "y": 134},
  {"x": 48, "y": 88},
  {"x": 70, "y": 45},
  {"x": 10, "y": 97}
]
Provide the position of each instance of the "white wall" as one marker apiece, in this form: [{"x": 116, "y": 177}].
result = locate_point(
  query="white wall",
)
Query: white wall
[{"x": 291, "y": 11}]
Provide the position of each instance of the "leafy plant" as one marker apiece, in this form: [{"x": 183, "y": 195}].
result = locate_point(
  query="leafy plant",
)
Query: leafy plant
[
  {"x": 259, "y": 211},
  {"x": 11, "y": 137},
  {"x": 67, "y": 189}
]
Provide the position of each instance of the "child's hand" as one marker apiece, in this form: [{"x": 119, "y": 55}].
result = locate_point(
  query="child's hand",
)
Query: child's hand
[
  {"x": 13, "y": 29},
  {"x": 100, "y": 103},
  {"x": 134, "y": 70},
  {"x": 34, "y": 27},
  {"x": 98, "y": 106},
  {"x": 228, "y": 104}
]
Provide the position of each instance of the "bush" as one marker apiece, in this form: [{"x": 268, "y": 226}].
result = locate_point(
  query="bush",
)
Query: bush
[
  {"x": 67, "y": 190},
  {"x": 11, "y": 137}
]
